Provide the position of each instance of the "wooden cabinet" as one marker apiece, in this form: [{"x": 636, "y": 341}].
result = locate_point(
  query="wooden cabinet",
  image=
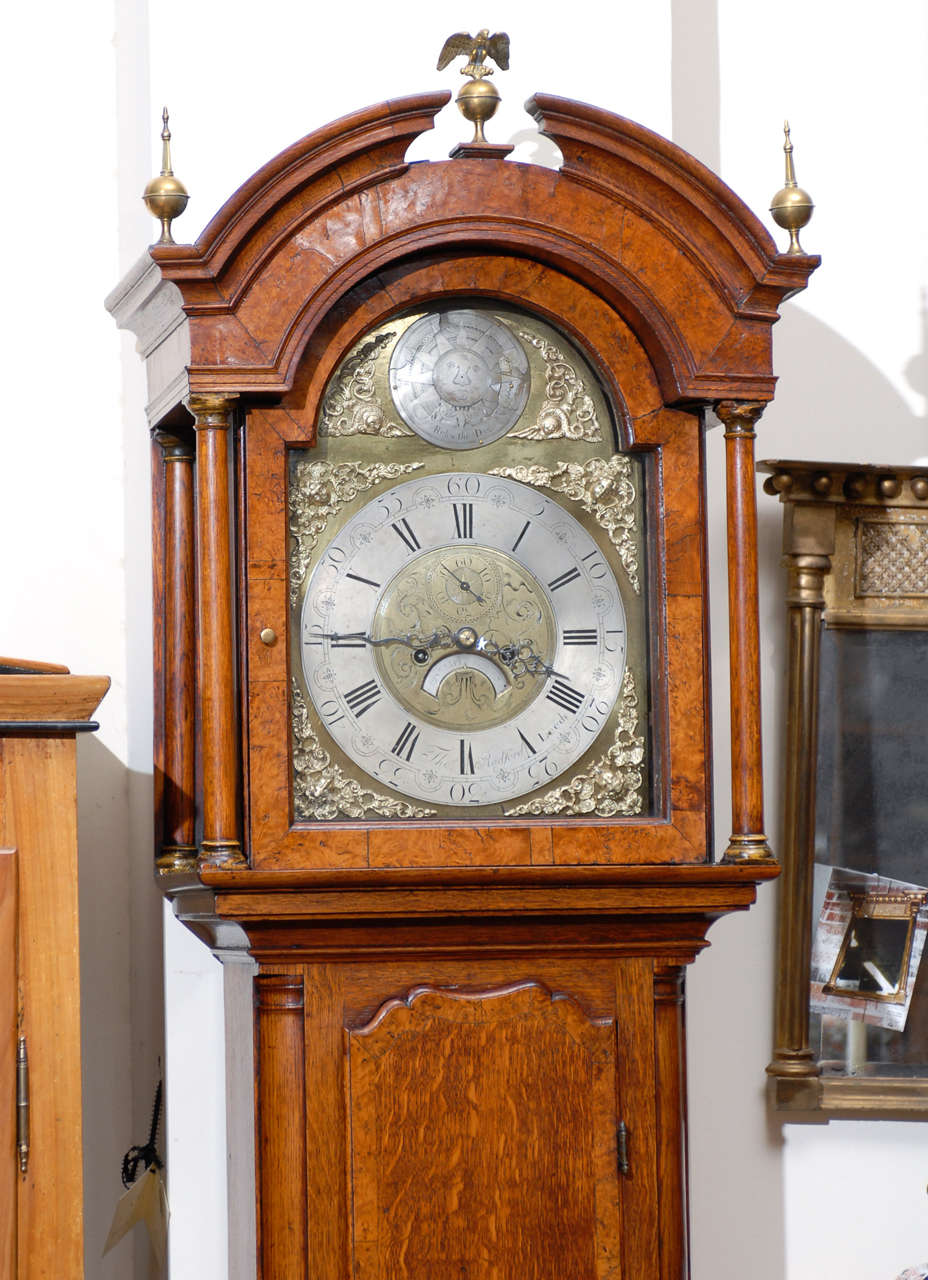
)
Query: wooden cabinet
[
  {"x": 41, "y": 1207},
  {"x": 430, "y": 495}
]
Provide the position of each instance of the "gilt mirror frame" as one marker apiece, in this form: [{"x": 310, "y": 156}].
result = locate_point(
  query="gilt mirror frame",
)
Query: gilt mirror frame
[{"x": 855, "y": 544}]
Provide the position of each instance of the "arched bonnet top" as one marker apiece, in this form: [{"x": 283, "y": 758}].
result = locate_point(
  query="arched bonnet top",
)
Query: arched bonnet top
[{"x": 631, "y": 215}]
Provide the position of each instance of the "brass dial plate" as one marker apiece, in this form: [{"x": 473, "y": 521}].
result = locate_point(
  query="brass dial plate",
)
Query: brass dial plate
[{"x": 463, "y": 639}]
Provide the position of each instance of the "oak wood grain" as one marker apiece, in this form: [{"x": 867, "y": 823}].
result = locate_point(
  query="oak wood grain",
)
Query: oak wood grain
[
  {"x": 483, "y": 1137},
  {"x": 38, "y": 815},
  {"x": 50, "y": 697}
]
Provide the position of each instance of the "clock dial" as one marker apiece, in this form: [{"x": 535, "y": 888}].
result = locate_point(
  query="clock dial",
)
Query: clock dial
[
  {"x": 460, "y": 378},
  {"x": 463, "y": 639}
]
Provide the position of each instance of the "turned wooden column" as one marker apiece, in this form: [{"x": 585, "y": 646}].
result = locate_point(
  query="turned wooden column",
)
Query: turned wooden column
[
  {"x": 281, "y": 1136},
  {"x": 670, "y": 1046},
  {"x": 177, "y": 705},
  {"x": 747, "y": 841},
  {"x": 220, "y": 845}
]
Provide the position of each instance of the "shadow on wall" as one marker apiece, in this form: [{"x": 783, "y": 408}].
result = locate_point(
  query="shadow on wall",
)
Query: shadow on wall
[
  {"x": 832, "y": 405},
  {"x": 122, "y": 1012}
]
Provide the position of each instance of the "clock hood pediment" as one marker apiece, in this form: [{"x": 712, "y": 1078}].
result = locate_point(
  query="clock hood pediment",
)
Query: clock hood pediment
[{"x": 630, "y": 215}]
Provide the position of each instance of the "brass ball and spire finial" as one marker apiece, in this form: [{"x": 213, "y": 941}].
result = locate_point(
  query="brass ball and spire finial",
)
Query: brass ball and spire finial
[
  {"x": 478, "y": 98},
  {"x": 791, "y": 207},
  {"x": 165, "y": 196}
]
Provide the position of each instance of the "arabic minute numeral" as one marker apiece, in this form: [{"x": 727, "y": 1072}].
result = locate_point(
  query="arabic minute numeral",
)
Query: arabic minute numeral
[
  {"x": 566, "y": 696},
  {"x": 569, "y": 575},
  {"x": 363, "y": 698}
]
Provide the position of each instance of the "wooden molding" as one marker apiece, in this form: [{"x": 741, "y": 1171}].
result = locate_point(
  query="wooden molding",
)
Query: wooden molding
[{"x": 54, "y": 698}]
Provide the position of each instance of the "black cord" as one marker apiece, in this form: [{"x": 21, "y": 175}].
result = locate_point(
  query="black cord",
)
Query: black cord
[{"x": 147, "y": 1155}]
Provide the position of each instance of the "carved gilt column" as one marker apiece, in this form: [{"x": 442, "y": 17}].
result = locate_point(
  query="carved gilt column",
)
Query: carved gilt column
[
  {"x": 179, "y": 660},
  {"x": 221, "y": 842},
  {"x": 808, "y": 544},
  {"x": 747, "y": 843}
]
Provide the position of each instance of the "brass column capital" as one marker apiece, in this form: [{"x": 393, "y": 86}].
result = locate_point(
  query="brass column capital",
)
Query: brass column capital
[
  {"x": 212, "y": 410},
  {"x": 174, "y": 448},
  {"x": 739, "y": 417},
  {"x": 806, "y": 578}
]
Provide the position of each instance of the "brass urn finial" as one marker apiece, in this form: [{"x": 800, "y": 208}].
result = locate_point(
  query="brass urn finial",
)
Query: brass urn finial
[
  {"x": 478, "y": 98},
  {"x": 791, "y": 206},
  {"x": 165, "y": 196}
]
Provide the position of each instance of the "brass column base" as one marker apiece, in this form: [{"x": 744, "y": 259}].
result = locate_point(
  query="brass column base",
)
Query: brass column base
[
  {"x": 221, "y": 853},
  {"x": 176, "y": 857},
  {"x": 794, "y": 1064},
  {"x": 748, "y": 849}
]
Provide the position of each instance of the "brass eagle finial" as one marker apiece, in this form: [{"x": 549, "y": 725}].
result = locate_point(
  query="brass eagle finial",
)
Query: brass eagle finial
[
  {"x": 478, "y": 98},
  {"x": 476, "y": 49}
]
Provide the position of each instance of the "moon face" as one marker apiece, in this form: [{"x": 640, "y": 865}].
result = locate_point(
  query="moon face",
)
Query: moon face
[{"x": 459, "y": 379}]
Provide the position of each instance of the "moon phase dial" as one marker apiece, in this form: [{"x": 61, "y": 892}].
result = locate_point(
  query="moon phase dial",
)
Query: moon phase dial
[
  {"x": 459, "y": 379},
  {"x": 472, "y": 649}
]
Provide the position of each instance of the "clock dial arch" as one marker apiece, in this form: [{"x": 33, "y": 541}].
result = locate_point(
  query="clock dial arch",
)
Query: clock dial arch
[{"x": 510, "y": 663}]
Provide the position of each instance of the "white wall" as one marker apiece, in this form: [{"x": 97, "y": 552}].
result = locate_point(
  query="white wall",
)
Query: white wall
[{"x": 241, "y": 83}]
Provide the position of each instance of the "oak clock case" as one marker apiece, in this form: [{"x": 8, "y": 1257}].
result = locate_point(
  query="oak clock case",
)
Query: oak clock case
[{"x": 468, "y": 599}]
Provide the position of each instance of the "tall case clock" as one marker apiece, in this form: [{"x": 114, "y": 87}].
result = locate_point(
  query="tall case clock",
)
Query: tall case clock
[{"x": 433, "y": 729}]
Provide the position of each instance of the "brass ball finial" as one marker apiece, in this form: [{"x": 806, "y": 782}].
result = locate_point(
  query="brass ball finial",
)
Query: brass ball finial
[
  {"x": 165, "y": 196},
  {"x": 791, "y": 207}
]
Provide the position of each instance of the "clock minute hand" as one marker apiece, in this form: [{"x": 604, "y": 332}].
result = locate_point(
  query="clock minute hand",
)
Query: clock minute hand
[{"x": 410, "y": 640}]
